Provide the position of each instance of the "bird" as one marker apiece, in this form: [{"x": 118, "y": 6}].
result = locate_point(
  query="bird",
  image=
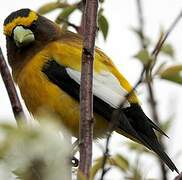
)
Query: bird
[{"x": 46, "y": 65}]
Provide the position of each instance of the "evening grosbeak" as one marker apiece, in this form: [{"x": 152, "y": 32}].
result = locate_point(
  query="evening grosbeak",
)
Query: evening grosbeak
[{"x": 46, "y": 65}]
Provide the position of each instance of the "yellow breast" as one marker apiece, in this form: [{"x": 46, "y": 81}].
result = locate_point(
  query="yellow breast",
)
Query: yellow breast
[{"x": 41, "y": 95}]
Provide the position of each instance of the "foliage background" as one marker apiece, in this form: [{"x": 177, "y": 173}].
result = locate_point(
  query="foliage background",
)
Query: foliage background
[{"x": 121, "y": 45}]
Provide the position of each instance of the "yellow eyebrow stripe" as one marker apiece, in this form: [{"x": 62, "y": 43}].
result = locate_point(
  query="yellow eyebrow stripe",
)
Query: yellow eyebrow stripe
[{"x": 25, "y": 21}]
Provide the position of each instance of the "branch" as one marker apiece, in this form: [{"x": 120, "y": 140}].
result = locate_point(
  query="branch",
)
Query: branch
[
  {"x": 140, "y": 80},
  {"x": 155, "y": 116},
  {"x": 149, "y": 78},
  {"x": 106, "y": 153},
  {"x": 162, "y": 40},
  {"x": 13, "y": 96},
  {"x": 86, "y": 96},
  {"x": 152, "y": 100},
  {"x": 141, "y": 23},
  {"x": 159, "y": 45},
  {"x": 81, "y": 28}
]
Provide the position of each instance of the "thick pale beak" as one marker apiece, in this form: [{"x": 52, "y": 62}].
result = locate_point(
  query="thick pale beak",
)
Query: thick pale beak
[{"x": 22, "y": 36}]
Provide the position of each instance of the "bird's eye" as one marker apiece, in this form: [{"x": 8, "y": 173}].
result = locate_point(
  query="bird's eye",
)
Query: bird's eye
[{"x": 33, "y": 25}]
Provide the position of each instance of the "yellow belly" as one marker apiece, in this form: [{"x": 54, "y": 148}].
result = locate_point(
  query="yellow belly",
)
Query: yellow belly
[{"x": 41, "y": 95}]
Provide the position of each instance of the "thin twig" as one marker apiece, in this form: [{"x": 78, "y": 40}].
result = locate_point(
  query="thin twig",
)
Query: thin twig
[
  {"x": 156, "y": 119},
  {"x": 145, "y": 70},
  {"x": 86, "y": 95},
  {"x": 141, "y": 23},
  {"x": 162, "y": 40},
  {"x": 154, "y": 55},
  {"x": 152, "y": 100},
  {"x": 81, "y": 27},
  {"x": 106, "y": 154},
  {"x": 157, "y": 48},
  {"x": 12, "y": 93},
  {"x": 69, "y": 24}
]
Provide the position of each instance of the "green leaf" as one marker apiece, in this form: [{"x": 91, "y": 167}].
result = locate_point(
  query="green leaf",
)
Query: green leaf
[
  {"x": 173, "y": 74},
  {"x": 159, "y": 68},
  {"x": 168, "y": 49},
  {"x": 80, "y": 176},
  {"x": 117, "y": 161},
  {"x": 143, "y": 56},
  {"x": 120, "y": 162},
  {"x": 103, "y": 25},
  {"x": 65, "y": 14},
  {"x": 96, "y": 167},
  {"x": 136, "y": 174},
  {"x": 51, "y": 6},
  {"x": 146, "y": 39}
]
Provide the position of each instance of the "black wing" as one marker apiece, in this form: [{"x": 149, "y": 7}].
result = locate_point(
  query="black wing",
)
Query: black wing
[
  {"x": 59, "y": 76},
  {"x": 132, "y": 120}
]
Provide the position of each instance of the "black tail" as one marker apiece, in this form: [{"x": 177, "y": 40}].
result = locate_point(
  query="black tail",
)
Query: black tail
[{"x": 137, "y": 125}]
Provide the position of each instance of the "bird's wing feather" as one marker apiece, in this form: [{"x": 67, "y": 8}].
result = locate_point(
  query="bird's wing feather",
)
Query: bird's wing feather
[
  {"x": 70, "y": 46},
  {"x": 109, "y": 88},
  {"x": 144, "y": 129},
  {"x": 59, "y": 75},
  {"x": 105, "y": 86}
]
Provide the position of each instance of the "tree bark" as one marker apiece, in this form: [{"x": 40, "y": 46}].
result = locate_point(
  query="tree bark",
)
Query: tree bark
[
  {"x": 86, "y": 96},
  {"x": 12, "y": 93}
]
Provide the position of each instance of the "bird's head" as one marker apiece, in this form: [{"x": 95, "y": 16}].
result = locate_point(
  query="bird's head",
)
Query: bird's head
[
  {"x": 24, "y": 27},
  {"x": 26, "y": 33}
]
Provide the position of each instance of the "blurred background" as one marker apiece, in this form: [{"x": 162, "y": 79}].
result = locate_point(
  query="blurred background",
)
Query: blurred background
[{"x": 122, "y": 44}]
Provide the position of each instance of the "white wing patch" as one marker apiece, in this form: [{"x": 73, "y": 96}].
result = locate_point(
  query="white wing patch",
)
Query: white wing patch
[{"x": 105, "y": 86}]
